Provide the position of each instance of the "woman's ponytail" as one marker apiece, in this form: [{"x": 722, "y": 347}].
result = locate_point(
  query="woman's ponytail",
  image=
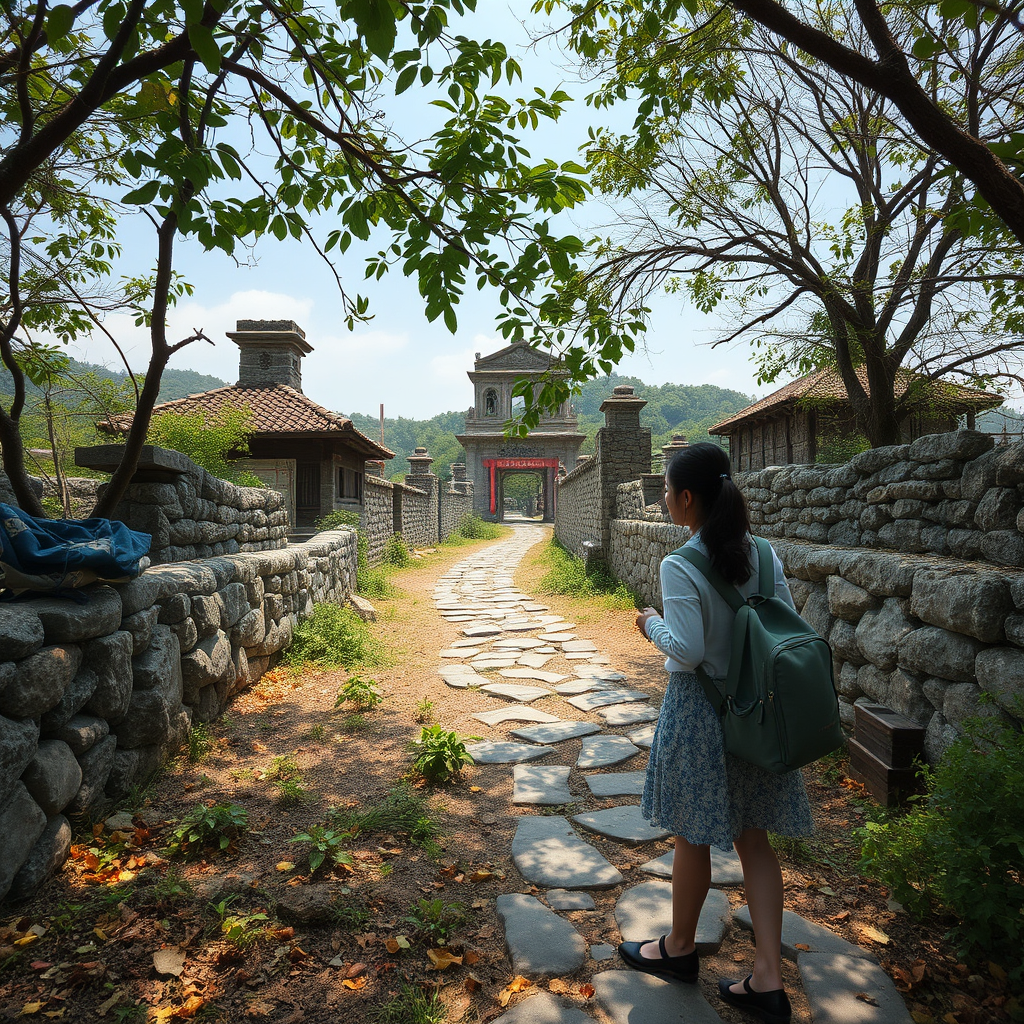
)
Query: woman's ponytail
[{"x": 704, "y": 469}]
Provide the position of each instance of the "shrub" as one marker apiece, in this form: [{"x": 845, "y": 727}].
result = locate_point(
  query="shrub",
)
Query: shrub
[
  {"x": 440, "y": 755},
  {"x": 838, "y": 448},
  {"x": 211, "y": 440},
  {"x": 573, "y": 577},
  {"x": 472, "y": 527},
  {"x": 331, "y": 637},
  {"x": 360, "y": 692},
  {"x": 339, "y": 517},
  {"x": 960, "y": 846},
  {"x": 217, "y": 827},
  {"x": 396, "y": 553}
]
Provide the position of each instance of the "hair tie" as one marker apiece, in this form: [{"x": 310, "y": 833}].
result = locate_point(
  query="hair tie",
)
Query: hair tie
[{"x": 724, "y": 476}]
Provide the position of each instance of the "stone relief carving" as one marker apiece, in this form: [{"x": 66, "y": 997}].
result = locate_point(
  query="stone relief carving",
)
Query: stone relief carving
[{"x": 519, "y": 451}]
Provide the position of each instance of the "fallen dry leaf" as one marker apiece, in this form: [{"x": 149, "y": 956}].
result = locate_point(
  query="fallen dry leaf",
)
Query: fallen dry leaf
[
  {"x": 169, "y": 961},
  {"x": 558, "y": 986},
  {"x": 587, "y": 991},
  {"x": 802, "y": 946},
  {"x": 517, "y": 984},
  {"x": 481, "y": 875},
  {"x": 30, "y": 1008},
  {"x": 865, "y": 998},
  {"x": 285, "y": 865},
  {"x": 869, "y": 931},
  {"x": 354, "y": 983},
  {"x": 443, "y": 958}
]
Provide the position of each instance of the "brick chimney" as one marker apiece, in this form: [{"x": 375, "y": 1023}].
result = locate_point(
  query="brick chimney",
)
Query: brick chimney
[{"x": 270, "y": 352}]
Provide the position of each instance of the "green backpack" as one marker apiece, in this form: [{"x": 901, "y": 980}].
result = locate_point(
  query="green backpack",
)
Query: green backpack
[{"x": 779, "y": 710}]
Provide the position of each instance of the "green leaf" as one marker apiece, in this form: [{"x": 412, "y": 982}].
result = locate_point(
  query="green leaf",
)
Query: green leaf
[
  {"x": 59, "y": 23},
  {"x": 143, "y": 195},
  {"x": 205, "y": 46},
  {"x": 405, "y": 79},
  {"x": 193, "y": 11}
]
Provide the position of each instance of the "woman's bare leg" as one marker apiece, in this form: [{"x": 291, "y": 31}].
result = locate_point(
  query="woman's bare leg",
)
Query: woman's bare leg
[
  {"x": 762, "y": 880},
  {"x": 691, "y": 879}
]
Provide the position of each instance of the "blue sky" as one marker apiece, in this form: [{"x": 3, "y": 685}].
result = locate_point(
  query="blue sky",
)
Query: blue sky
[{"x": 414, "y": 367}]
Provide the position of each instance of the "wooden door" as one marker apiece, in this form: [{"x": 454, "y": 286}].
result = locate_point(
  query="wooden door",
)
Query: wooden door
[{"x": 307, "y": 492}]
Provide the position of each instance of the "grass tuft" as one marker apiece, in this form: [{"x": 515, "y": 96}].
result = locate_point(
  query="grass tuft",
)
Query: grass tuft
[
  {"x": 333, "y": 637},
  {"x": 571, "y": 576}
]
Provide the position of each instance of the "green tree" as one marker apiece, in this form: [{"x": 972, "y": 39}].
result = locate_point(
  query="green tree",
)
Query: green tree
[
  {"x": 725, "y": 196},
  {"x": 158, "y": 96},
  {"x": 933, "y": 61}
]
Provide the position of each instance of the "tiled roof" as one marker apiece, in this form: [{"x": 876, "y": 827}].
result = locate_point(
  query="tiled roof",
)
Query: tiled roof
[
  {"x": 827, "y": 385},
  {"x": 276, "y": 409}
]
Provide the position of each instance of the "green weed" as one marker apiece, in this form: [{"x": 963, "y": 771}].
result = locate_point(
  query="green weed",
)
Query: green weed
[
  {"x": 360, "y": 692},
  {"x": 324, "y": 844},
  {"x": 402, "y": 812},
  {"x": 200, "y": 741},
  {"x": 241, "y": 930},
  {"x": 435, "y": 920},
  {"x": 339, "y": 517},
  {"x": 439, "y": 755},
  {"x": 332, "y": 637},
  {"x": 216, "y": 827},
  {"x": 350, "y": 916},
  {"x": 569, "y": 575},
  {"x": 355, "y": 723},
  {"x": 396, "y": 553},
  {"x": 412, "y": 1006},
  {"x": 424, "y": 710},
  {"x": 317, "y": 733}
]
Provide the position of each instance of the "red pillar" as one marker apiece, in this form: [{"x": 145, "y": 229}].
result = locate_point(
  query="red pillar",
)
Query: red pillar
[{"x": 493, "y": 506}]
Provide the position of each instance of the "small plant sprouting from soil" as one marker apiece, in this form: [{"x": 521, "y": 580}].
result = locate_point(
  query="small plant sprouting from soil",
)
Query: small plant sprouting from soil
[
  {"x": 241, "y": 930},
  {"x": 435, "y": 920},
  {"x": 401, "y": 812},
  {"x": 440, "y": 755},
  {"x": 218, "y": 827},
  {"x": 359, "y": 692},
  {"x": 324, "y": 844},
  {"x": 317, "y": 733},
  {"x": 350, "y": 916},
  {"x": 412, "y": 1006},
  {"x": 425, "y": 711},
  {"x": 200, "y": 742}
]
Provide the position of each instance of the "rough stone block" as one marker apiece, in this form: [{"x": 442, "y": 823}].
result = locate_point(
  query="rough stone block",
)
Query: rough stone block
[
  {"x": 965, "y": 544},
  {"x": 907, "y": 697},
  {"x": 53, "y": 776},
  {"x": 843, "y": 641},
  {"x": 206, "y": 614},
  {"x": 879, "y": 632},
  {"x": 938, "y": 738},
  {"x": 847, "y": 600},
  {"x": 187, "y": 634},
  {"x": 46, "y": 856},
  {"x": 40, "y": 682},
  {"x": 18, "y": 740},
  {"x": 174, "y": 608},
  {"x": 817, "y": 615},
  {"x": 206, "y": 664},
  {"x": 963, "y": 701},
  {"x": 1009, "y": 463},
  {"x": 1004, "y": 547},
  {"x": 998, "y": 509},
  {"x": 939, "y": 652},
  {"x": 140, "y": 626},
  {"x": 975, "y": 603},
  {"x": 956, "y": 444},
  {"x": 881, "y": 573},
  {"x": 68, "y": 621},
  {"x": 21, "y": 631},
  {"x": 874, "y": 682},
  {"x": 153, "y": 667},
  {"x": 154, "y": 707},
  {"x": 903, "y": 535},
  {"x": 1000, "y": 672},
  {"x": 96, "y": 765},
  {"x": 83, "y": 732},
  {"x": 233, "y": 604},
  {"x": 250, "y": 629},
  {"x": 76, "y": 696},
  {"x": 110, "y": 657},
  {"x": 979, "y": 476},
  {"x": 22, "y": 822}
]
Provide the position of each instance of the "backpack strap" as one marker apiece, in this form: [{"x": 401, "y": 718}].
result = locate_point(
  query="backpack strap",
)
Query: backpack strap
[{"x": 765, "y": 567}]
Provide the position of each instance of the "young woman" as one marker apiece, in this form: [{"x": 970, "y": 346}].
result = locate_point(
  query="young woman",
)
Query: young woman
[{"x": 703, "y": 795}]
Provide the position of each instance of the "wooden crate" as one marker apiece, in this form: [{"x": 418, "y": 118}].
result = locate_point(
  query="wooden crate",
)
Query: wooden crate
[
  {"x": 888, "y": 785},
  {"x": 892, "y": 738}
]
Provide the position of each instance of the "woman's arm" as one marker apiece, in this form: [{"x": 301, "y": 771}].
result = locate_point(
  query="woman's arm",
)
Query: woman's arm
[
  {"x": 781, "y": 583},
  {"x": 679, "y": 633}
]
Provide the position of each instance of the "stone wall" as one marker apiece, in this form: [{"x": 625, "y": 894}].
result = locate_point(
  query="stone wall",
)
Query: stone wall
[
  {"x": 635, "y": 553},
  {"x": 453, "y": 507},
  {"x": 419, "y": 516},
  {"x": 377, "y": 522},
  {"x": 944, "y": 494},
  {"x": 578, "y": 508},
  {"x": 188, "y": 512},
  {"x": 96, "y": 695}
]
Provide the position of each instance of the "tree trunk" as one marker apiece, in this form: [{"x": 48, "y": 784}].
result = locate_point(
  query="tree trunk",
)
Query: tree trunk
[{"x": 14, "y": 466}]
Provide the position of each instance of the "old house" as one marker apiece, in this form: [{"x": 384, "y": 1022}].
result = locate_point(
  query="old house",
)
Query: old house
[
  {"x": 811, "y": 416},
  {"x": 315, "y": 457}
]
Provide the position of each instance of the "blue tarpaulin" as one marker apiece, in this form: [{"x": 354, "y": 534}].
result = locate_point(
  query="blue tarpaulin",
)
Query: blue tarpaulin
[{"x": 56, "y": 554}]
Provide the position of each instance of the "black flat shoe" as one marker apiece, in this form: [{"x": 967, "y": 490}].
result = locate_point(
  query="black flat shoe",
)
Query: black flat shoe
[
  {"x": 679, "y": 968},
  {"x": 771, "y": 1007}
]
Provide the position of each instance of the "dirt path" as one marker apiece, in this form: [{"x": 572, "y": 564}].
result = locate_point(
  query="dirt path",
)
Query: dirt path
[{"x": 340, "y": 945}]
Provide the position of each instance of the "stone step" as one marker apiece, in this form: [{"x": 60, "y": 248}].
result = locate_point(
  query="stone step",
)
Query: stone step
[
  {"x": 516, "y": 691},
  {"x": 797, "y": 932},
  {"x": 555, "y": 732},
  {"x": 490, "y": 752},
  {"x": 624, "y": 824},
  {"x": 539, "y": 942},
  {"x": 632, "y": 997},
  {"x": 725, "y": 867},
  {"x": 604, "y": 751},
  {"x": 563, "y": 899},
  {"x": 544, "y": 1008},
  {"x": 543, "y": 785},
  {"x": 643, "y": 737},
  {"x": 532, "y": 673},
  {"x": 628, "y": 714},
  {"x": 618, "y": 784},
  {"x": 645, "y": 912},
  {"x": 602, "y": 698},
  {"x": 835, "y": 986},
  {"x": 547, "y": 852},
  {"x": 516, "y": 713}
]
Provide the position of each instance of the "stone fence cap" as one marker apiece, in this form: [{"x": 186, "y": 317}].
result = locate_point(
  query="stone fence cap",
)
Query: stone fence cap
[{"x": 623, "y": 389}]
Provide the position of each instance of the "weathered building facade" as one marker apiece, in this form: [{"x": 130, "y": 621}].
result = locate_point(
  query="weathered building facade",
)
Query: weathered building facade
[
  {"x": 793, "y": 425},
  {"x": 490, "y": 456}
]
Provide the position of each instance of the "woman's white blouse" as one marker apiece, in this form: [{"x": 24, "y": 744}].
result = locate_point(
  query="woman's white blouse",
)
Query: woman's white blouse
[{"x": 696, "y": 628}]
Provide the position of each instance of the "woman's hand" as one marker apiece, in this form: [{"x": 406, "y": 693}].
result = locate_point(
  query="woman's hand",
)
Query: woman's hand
[{"x": 641, "y": 619}]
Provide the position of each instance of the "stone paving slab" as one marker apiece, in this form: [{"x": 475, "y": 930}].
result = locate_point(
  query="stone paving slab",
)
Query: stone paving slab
[
  {"x": 547, "y": 852},
  {"x": 510, "y": 657},
  {"x": 580, "y": 686},
  {"x": 617, "y": 784},
  {"x": 516, "y": 713},
  {"x": 535, "y": 607},
  {"x": 544, "y": 1008},
  {"x": 522, "y": 627},
  {"x": 565, "y": 899},
  {"x": 532, "y": 673},
  {"x": 796, "y": 929},
  {"x": 579, "y": 645},
  {"x": 522, "y": 643},
  {"x": 604, "y": 751},
  {"x": 555, "y": 732},
  {"x": 465, "y": 643},
  {"x": 540, "y": 943},
  {"x": 725, "y": 867},
  {"x": 577, "y": 656},
  {"x": 832, "y": 983},
  {"x": 591, "y": 671},
  {"x": 643, "y": 737},
  {"x": 556, "y": 638},
  {"x": 490, "y": 664},
  {"x": 458, "y": 618},
  {"x": 624, "y": 824},
  {"x": 481, "y": 631},
  {"x": 457, "y": 677},
  {"x": 592, "y": 701},
  {"x": 645, "y": 912},
  {"x": 516, "y": 691},
  {"x": 628, "y": 714},
  {"x": 545, "y": 785},
  {"x": 489, "y": 752},
  {"x": 601, "y": 951},
  {"x": 461, "y": 652},
  {"x": 632, "y": 997},
  {"x": 533, "y": 660}
]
